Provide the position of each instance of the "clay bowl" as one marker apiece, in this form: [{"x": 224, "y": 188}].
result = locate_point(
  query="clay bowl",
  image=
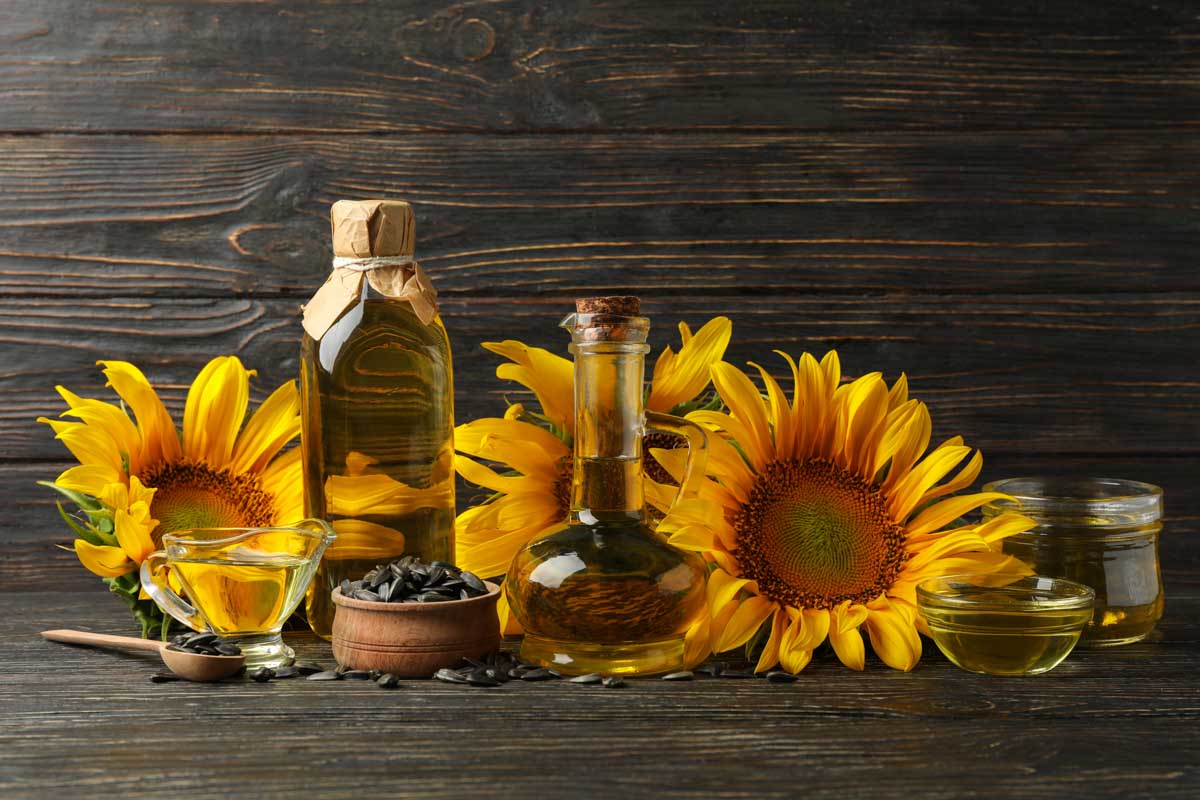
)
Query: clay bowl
[{"x": 414, "y": 640}]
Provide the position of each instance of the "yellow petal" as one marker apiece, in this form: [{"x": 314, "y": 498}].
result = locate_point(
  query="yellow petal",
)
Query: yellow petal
[
  {"x": 722, "y": 588},
  {"x": 509, "y": 626},
  {"x": 90, "y": 479},
  {"x": 1002, "y": 526},
  {"x": 946, "y": 511},
  {"x": 681, "y": 377},
  {"x": 746, "y": 405},
  {"x": 770, "y": 653},
  {"x": 113, "y": 421},
  {"x": 274, "y": 424},
  {"x": 133, "y": 536},
  {"x": 91, "y": 446},
  {"x": 793, "y": 655},
  {"x": 551, "y": 378},
  {"x": 894, "y": 636},
  {"x": 965, "y": 477},
  {"x": 898, "y": 395},
  {"x": 696, "y": 644},
  {"x": 529, "y": 449},
  {"x": 283, "y": 478},
  {"x": 360, "y": 539},
  {"x": 160, "y": 440},
  {"x": 107, "y": 562},
  {"x": 216, "y": 405},
  {"x": 844, "y": 635},
  {"x": 931, "y": 470},
  {"x": 780, "y": 416},
  {"x": 486, "y": 477},
  {"x": 751, "y": 613},
  {"x": 736, "y": 429},
  {"x": 912, "y": 439}
]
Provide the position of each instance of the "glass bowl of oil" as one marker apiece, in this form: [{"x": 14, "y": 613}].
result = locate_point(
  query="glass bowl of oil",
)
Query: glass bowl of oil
[{"x": 1005, "y": 625}]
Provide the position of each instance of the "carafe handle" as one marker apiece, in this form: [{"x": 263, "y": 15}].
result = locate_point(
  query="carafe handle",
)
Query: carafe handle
[
  {"x": 164, "y": 596},
  {"x": 697, "y": 439}
]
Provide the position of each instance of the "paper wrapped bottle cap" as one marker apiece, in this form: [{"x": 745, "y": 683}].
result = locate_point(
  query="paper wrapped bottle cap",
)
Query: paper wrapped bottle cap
[
  {"x": 373, "y": 240},
  {"x": 366, "y": 228}
]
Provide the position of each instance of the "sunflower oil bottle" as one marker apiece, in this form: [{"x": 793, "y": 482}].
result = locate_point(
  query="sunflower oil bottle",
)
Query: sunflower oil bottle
[
  {"x": 601, "y": 592},
  {"x": 377, "y": 400}
]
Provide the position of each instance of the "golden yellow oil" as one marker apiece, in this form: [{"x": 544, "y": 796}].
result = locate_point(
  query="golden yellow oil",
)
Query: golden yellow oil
[
  {"x": 1121, "y": 567},
  {"x": 605, "y": 597},
  {"x": 1024, "y": 641},
  {"x": 377, "y": 396},
  {"x": 242, "y": 594}
]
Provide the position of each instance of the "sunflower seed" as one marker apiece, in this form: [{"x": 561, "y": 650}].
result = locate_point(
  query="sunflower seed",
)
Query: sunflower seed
[
  {"x": 365, "y": 594},
  {"x": 328, "y": 675},
  {"x": 345, "y": 587},
  {"x": 435, "y": 576},
  {"x": 538, "y": 674},
  {"x": 479, "y": 677},
  {"x": 357, "y": 675},
  {"x": 613, "y": 682},
  {"x": 431, "y": 597},
  {"x": 449, "y": 676},
  {"x": 388, "y": 681},
  {"x": 164, "y": 677},
  {"x": 227, "y": 649},
  {"x": 713, "y": 668},
  {"x": 781, "y": 677},
  {"x": 384, "y": 591},
  {"x": 591, "y": 677},
  {"x": 682, "y": 675},
  {"x": 737, "y": 673},
  {"x": 286, "y": 672},
  {"x": 262, "y": 674},
  {"x": 473, "y": 581}
]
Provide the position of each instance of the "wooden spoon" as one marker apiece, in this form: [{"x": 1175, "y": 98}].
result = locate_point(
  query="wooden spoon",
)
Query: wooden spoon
[{"x": 190, "y": 666}]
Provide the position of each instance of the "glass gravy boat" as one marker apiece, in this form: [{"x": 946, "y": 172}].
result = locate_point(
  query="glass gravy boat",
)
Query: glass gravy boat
[{"x": 240, "y": 583}]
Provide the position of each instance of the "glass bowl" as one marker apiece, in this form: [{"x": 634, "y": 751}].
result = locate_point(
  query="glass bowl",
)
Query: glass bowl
[{"x": 1003, "y": 624}]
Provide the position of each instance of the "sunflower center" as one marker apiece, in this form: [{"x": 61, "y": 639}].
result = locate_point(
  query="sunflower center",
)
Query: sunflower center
[
  {"x": 197, "y": 496},
  {"x": 814, "y": 535}
]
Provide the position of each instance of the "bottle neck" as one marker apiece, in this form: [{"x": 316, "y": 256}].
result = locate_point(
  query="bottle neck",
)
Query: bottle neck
[{"x": 609, "y": 424}]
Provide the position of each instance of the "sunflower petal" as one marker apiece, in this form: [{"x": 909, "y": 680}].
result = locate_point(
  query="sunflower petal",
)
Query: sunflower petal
[
  {"x": 133, "y": 536},
  {"x": 751, "y": 613},
  {"x": 907, "y": 494},
  {"x": 284, "y": 479},
  {"x": 107, "y": 562},
  {"x": 110, "y": 419},
  {"x": 780, "y": 417},
  {"x": 746, "y": 405},
  {"x": 90, "y": 446},
  {"x": 216, "y": 405},
  {"x": 946, "y": 511},
  {"x": 509, "y": 626},
  {"x": 681, "y": 377},
  {"x": 160, "y": 439},
  {"x": 794, "y": 652},
  {"x": 697, "y": 642},
  {"x": 770, "y": 652},
  {"x": 551, "y": 378},
  {"x": 722, "y": 588},
  {"x": 844, "y": 634},
  {"x": 894, "y": 636},
  {"x": 89, "y": 479},
  {"x": 478, "y": 474},
  {"x": 273, "y": 425}
]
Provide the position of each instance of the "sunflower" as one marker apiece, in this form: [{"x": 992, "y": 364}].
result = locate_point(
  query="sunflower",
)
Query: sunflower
[
  {"x": 533, "y": 449},
  {"x": 139, "y": 478},
  {"x": 821, "y": 516}
]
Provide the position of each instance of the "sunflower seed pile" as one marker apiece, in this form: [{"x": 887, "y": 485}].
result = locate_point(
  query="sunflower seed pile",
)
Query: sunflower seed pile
[
  {"x": 204, "y": 644},
  {"x": 410, "y": 580}
]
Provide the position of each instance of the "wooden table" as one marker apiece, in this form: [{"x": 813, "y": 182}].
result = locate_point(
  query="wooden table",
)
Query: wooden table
[{"x": 1122, "y": 722}]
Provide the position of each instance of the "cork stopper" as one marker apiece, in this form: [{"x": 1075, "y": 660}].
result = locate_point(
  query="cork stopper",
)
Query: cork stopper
[
  {"x": 609, "y": 319},
  {"x": 620, "y": 305},
  {"x": 366, "y": 228}
]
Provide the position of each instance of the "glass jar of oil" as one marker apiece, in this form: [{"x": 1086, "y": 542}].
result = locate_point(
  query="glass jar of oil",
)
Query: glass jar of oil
[
  {"x": 1101, "y": 532},
  {"x": 377, "y": 404}
]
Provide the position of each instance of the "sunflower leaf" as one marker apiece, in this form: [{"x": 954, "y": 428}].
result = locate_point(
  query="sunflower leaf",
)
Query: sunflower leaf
[
  {"x": 87, "y": 534},
  {"x": 80, "y": 499}
]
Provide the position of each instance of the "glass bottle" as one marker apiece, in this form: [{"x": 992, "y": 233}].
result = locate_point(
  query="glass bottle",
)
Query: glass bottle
[
  {"x": 377, "y": 401},
  {"x": 601, "y": 592},
  {"x": 1101, "y": 532}
]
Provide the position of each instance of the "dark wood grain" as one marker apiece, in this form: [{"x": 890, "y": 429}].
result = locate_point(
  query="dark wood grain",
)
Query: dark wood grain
[
  {"x": 763, "y": 215},
  {"x": 313, "y": 66},
  {"x": 936, "y": 732},
  {"x": 1047, "y": 374}
]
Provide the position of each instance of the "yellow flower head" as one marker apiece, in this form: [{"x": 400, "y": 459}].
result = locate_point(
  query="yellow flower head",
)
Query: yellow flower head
[
  {"x": 821, "y": 515},
  {"x": 148, "y": 479},
  {"x": 534, "y": 449}
]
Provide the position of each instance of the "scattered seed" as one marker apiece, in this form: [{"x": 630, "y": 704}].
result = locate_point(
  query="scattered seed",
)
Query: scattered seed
[
  {"x": 737, "y": 673},
  {"x": 388, "y": 681},
  {"x": 479, "y": 677},
  {"x": 450, "y": 676},
  {"x": 613, "y": 682},
  {"x": 262, "y": 674},
  {"x": 328, "y": 675},
  {"x": 682, "y": 675},
  {"x": 357, "y": 675},
  {"x": 538, "y": 674},
  {"x": 164, "y": 677},
  {"x": 713, "y": 668},
  {"x": 591, "y": 677},
  {"x": 286, "y": 672},
  {"x": 781, "y": 677}
]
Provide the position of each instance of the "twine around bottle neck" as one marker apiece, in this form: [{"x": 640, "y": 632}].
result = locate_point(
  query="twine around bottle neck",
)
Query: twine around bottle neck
[{"x": 372, "y": 262}]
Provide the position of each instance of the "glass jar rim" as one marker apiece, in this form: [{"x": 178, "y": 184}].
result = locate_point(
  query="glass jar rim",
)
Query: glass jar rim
[
  {"x": 1064, "y": 594},
  {"x": 1094, "y": 503}
]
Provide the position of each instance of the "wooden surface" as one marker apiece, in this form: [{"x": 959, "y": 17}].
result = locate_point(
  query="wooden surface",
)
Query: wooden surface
[
  {"x": 998, "y": 198},
  {"x": 1121, "y": 723}
]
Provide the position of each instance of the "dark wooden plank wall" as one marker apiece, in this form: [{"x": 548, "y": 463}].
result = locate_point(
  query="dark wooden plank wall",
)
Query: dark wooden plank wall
[{"x": 998, "y": 198}]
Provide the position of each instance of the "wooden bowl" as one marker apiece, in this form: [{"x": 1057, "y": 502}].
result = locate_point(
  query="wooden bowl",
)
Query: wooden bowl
[{"x": 414, "y": 640}]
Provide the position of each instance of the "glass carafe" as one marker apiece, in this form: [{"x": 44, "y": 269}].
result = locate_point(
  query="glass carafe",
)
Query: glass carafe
[{"x": 601, "y": 592}]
